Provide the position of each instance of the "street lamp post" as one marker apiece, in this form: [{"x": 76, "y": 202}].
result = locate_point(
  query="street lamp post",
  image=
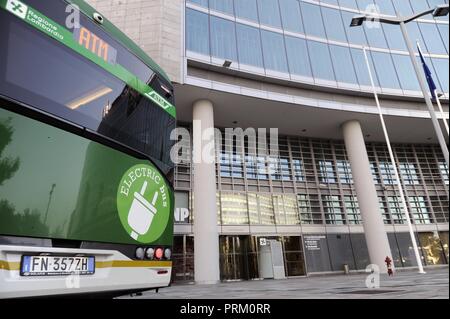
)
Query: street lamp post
[
  {"x": 358, "y": 21},
  {"x": 439, "y": 11}
]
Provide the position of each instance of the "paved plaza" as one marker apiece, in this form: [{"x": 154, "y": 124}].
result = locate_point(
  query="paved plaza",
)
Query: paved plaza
[{"x": 404, "y": 285}]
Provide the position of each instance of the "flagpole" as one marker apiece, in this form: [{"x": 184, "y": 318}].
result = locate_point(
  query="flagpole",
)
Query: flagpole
[
  {"x": 397, "y": 176},
  {"x": 441, "y": 110}
]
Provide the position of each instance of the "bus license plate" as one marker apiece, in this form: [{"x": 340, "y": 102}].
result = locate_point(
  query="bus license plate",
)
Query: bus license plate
[{"x": 56, "y": 265}]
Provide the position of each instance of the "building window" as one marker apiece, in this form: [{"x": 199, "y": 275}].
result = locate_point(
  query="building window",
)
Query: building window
[
  {"x": 387, "y": 173},
  {"x": 312, "y": 18},
  {"x": 409, "y": 174},
  {"x": 444, "y": 171},
  {"x": 386, "y": 72},
  {"x": 234, "y": 209},
  {"x": 352, "y": 210},
  {"x": 333, "y": 25},
  {"x": 197, "y": 34},
  {"x": 225, "y": 6},
  {"x": 291, "y": 16},
  {"x": 375, "y": 176},
  {"x": 440, "y": 208},
  {"x": 249, "y": 45},
  {"x": 298, "y": 170},
  {"x": 304, "y": 206},
  {"x": 298, "y": 57},
  {"x": 246, "y": 9},
  {"x": 269, "y": 13},
  {"x": 251, "y": 167},
  {"x": 266, "y": 210},
  {"x": 334, "y": 213},
  {"x": 261, "y": 209},
  {"x": 274, "y": 51},
  {"x": 286, "y": 212},
  {"x": 396, "y": 210},
  {"x": 223, "y": 39},
  {"x": 321, "y": 61},
  {"x": 343, "y": 64},
  {"x": 419, "y": 210},
  {"x": 344, "y": 172},
  {"x": 262, "y": 168},
  {"x": 280, "y": 169},
  {"x": 384, "y": 210},
  {"x": 326, "y": 172}
]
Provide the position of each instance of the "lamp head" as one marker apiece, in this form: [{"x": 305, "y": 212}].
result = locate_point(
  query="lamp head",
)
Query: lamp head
[
  {"x": 441, "y": 10},
  {"x": 227, "y": 63},
  {"x": 358, "y": 20}
]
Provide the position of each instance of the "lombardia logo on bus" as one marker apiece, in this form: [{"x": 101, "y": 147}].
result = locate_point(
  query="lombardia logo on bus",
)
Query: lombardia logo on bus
[{"x": 143, "y": 203}]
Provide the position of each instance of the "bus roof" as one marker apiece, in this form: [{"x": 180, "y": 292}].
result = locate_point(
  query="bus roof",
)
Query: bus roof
[{"x": 121, "y": 37}]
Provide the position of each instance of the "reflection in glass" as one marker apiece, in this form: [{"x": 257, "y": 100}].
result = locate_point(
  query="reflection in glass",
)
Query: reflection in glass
[
  {"x": 286, "y": 212},
  {"x": 266, "y": 210},
  {"x": 432, "y": 248},
  {"x": 234, "y": 209}
]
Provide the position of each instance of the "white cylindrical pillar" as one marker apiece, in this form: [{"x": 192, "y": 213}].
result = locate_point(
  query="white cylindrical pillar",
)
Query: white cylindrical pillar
[
  {"x": 376, "y": 237},
  {"x": 206, "y": 236}
]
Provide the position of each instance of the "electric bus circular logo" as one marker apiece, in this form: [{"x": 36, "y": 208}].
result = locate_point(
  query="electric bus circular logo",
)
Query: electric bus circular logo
[{"x": 143, "y": 203}]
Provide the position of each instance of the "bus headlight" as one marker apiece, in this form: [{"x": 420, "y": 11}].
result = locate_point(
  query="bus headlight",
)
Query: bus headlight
[
  {"x": 140, "y": 253},
  {"x": 150, "y": 253},
  {"x": 167, "y": 253}
]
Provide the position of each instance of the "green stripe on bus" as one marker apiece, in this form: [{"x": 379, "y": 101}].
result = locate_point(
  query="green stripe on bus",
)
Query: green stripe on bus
[{"x": 54, "y": 30}]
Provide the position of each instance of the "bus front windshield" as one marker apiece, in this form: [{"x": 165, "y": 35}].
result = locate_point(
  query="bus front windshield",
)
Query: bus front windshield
[{"x": 38, "y": 71}]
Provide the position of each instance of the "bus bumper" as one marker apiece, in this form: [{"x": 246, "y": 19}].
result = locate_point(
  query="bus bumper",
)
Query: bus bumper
[{"x": 113, "y": 272}]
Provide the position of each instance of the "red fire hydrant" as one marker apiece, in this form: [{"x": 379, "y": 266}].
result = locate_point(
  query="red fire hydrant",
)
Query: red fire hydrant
[{"x": 388, "y": 262}]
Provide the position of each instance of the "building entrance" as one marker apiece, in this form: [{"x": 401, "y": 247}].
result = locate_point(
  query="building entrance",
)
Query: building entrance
[{"x": 238, "y": 258}]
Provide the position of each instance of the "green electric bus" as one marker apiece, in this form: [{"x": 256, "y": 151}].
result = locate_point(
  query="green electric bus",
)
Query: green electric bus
[{"x": 86, "y": 180}]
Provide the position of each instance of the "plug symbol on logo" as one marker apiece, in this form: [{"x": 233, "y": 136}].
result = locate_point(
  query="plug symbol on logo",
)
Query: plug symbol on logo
[{"x": 141, "y": 213}]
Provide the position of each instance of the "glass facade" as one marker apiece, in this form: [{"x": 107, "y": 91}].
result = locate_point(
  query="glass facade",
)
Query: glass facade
[
  {"x": 310, "y": 183},
  {"x": 313, "y": 40}
]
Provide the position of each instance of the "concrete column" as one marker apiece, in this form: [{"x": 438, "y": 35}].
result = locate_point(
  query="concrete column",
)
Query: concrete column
[
  {"x": 206, "y": 237},
  {"x": 376, "y": 237}
]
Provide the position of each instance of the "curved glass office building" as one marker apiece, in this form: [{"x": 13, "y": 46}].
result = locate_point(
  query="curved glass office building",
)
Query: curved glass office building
[{"x": 328, "y": 198}]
